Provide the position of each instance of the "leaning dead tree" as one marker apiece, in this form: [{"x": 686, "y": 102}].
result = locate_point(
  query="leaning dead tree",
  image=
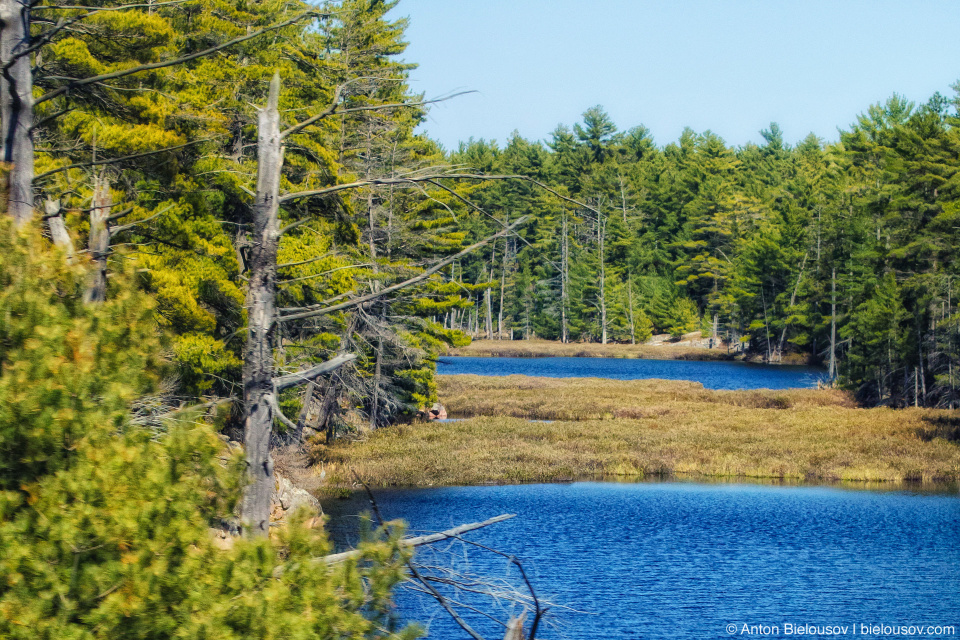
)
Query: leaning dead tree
[
  {"x": 260, "y": 391},
  {"x": 261, "y": 384}
]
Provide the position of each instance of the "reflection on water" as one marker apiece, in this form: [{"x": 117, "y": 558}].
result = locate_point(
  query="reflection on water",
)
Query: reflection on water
[
  {"x": 683, "y": 560},
  {"x": 713, "y": 375}
]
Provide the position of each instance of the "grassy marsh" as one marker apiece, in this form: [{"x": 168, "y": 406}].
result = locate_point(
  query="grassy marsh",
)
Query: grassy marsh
[{"x": 649, "y": 428}]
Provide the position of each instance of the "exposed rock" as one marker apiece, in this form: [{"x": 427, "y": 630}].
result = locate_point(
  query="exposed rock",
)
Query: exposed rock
[
  {"x": 288, "y": 497},
  {"x": 436, "y": 412}
]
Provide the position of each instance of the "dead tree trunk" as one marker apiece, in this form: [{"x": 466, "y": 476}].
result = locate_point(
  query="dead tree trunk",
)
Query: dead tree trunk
[
  {"x": 16, "y": 106},
  {"x": 602, "y": 232},
  {"x": 832, "y": 369},
  {"x": 258, "y": 390},
  {"x": 564, "y": 281},
  {"x": 503, "y": 285},
  {"x": 58, "y": 230},
  {"x": 793, "y": 300},
  {"x": 98, "y": 243},
  {"x": 305, "y": 410}
]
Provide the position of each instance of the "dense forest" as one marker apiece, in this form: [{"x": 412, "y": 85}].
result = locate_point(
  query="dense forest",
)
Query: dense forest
[
  {"x": 845, "y": 252},
  {"x": 221, "y": 219}
]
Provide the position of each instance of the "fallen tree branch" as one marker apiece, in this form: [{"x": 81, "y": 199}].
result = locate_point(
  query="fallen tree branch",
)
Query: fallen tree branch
[{"x": 419, "y": 541}]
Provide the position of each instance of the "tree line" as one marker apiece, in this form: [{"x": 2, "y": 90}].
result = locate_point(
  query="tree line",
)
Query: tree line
[{"x": 842, "y": 252}]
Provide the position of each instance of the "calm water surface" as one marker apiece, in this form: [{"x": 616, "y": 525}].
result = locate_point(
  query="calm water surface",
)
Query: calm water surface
[
  {"x": 713, "y": 375},
  {"x": 678, "y": 560}
]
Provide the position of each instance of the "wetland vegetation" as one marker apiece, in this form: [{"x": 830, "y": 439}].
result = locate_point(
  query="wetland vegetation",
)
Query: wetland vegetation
[{"x": 642, "y": 428}]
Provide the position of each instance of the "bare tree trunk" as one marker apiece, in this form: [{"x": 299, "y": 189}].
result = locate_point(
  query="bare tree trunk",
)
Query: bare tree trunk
[
  {"x": 305, "y": 409},
  {"x": 258, "y": 390},
  {"x": 923, "y": 378},
  {"x": 503, "y": 286},
  {"x": 564, "y": 282},
  {"x": 603, "y": 283},
  {"x": 793, "y": 299},
  {"x": 98, "y": 243},
  {"x": 58, "y": 230},
  {"x": 633, "y": 326},
  {"x": 377, "y": 375},
  {"x": 16, "y": 106},
  {"x": 488, "y": 296},
  {"x": 832, "y": 367}
]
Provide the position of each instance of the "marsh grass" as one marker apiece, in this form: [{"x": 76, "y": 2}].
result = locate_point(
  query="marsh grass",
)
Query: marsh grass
[
  {"x": 643, "y": 428},
  {"x": 554, "y": 349}
]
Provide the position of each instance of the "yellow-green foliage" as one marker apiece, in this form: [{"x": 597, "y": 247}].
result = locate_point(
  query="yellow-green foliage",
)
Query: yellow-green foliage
[
  {"x": 202, "y": 356},
  {"x": 66, "y": 369},
  {"x": 105, "y": 526},
  {"x": 649, "y": 427}
]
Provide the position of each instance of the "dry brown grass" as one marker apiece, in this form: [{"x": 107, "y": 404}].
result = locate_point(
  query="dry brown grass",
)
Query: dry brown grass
[
  {"x": 553, "y": 349},
  {"x": 649, "y": 427}
]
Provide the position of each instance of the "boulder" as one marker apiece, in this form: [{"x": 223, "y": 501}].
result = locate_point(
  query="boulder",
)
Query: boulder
[{"x": 288, "y": 497}]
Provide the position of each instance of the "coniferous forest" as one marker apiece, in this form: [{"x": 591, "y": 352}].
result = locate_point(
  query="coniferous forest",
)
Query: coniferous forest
[
  {"x": 845, "y": 252},
  {"x": 221, "y": 220}
]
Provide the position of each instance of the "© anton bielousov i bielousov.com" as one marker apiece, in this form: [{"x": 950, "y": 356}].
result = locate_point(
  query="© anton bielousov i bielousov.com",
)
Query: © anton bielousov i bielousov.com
[{"x": 856, "y": 629}]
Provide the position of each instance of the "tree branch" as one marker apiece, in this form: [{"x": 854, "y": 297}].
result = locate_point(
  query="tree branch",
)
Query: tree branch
[
  {"x": 42, "y": 39},
  {"x": 291, "y": 380},
  {"x": 406, "y": 283},
  {"x": 278, "y": 414},
  {"x": 169, "y": 63},
  {"x": 307, "y": 261},
  {"x": 131, "y": 225},
  {"x": 332, "y": 109},
  {"x": 429, "y": 178},
  {"x": 94, "y": 163}
]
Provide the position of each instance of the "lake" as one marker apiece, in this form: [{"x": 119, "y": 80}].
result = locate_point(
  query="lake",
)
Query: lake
[
  {"x": 685, "y": 560},
  {"x": 713, "y": 375}
]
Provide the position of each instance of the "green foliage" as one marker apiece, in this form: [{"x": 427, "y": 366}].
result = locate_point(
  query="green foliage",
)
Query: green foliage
[
  {"x": 750, "y": 235},
  {"x": 67, "y": 370},
  {"x": 685, "y": 317},
  {"x": 104, "y": 525}
]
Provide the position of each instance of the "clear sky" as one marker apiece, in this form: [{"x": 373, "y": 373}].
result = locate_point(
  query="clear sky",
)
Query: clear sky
[{"x": 731, "y": 66}]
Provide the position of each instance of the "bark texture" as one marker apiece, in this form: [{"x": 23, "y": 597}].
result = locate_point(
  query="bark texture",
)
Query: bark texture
[
  {"x": 99, "y": 241},
  {"x": 58, "y": 230},
  {"x": 16, "y": 106},
  {"x": 258, "y": 387}
]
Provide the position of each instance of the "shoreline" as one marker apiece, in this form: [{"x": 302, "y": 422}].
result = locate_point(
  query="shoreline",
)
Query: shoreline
[
  {"x": 932, "y": 487},
  {"x": 662, "y": 350},
  {"x": 648, "y": 429}
]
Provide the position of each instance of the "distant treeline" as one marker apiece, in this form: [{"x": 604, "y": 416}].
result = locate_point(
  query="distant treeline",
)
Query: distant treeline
[{"x": 845, "y": 251}]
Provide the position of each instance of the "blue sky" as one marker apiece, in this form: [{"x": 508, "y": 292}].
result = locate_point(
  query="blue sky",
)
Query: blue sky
[{"x": 731, "y": 66}]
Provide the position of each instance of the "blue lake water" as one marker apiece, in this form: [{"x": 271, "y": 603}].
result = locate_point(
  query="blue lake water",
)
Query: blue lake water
[
  {"x": 679, "y": 560},
  {"x": 713, "y": 375}
]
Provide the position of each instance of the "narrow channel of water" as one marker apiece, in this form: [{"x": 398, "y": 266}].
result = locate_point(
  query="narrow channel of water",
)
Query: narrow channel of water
[
  {"x": 684, "y": 560},
  {"x": 713, "y": 375}
]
